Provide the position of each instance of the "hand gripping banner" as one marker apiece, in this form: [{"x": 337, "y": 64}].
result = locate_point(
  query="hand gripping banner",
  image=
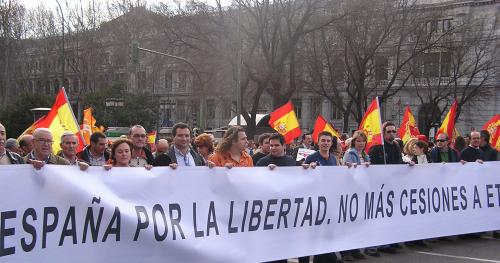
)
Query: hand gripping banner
[{"x": 197, "y": 214}]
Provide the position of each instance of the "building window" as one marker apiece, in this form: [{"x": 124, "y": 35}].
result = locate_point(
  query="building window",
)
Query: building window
[
  {"x": 141, "y": 80},
  {"x": 381, "y": 68},
  {"x": 168, "y": 81},
  {"x": 182, "y": 79},
  {"x": 433, "y": 65},
  {"x": 181, "y": 111},
  {"x": 211, "y": 105},
  {"x": 297, "y": 104}
]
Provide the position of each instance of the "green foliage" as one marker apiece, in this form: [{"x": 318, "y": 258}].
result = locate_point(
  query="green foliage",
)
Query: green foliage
[
  {"x": 16, "y": 115},
  {"x": 141, "y": 108}
]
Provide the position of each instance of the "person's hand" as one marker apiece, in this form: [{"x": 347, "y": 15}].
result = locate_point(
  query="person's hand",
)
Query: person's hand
[
  {"x": 83, "y": 166},
  {"x": 173, "y": 166},
  {"x": 313, "y": 165},
  {"x": 148, "y": 167},
  {"x": 210, "y": 164},
  {"x": 479, "y": 161},
  {"x": 305, "y": 166},
  {"x": 367, "y": 164},
  {"x": 411, "y": 163},
  {"x": 349, "y": 165},
  {"x": 463, "y": 161},
  {"x": 107, "y": 167},
  {"x": 228, "y": 165},
  {"x": 272, "y": 166},
  {"x": 37, "y": 164}
]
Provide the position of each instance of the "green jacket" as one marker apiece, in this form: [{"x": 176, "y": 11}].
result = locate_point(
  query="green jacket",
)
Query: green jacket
[{"x": 53, "y": 159}]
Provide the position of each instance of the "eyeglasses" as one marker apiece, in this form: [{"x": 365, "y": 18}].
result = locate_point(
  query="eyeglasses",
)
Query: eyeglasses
[
  {"x": 391, "y": 131},
  {"x": 139, "y": 135},
  {"x": 441, "y": 140},
  {"x": 43, "y": 141}
]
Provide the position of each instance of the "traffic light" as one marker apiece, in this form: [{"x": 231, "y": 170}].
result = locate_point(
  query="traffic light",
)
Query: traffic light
[{"x": 135, "y": 52}]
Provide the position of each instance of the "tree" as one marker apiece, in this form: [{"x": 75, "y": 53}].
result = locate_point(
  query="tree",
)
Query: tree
[
  {"x": 16, "y": 115},
  {"x": 114, "y": 106}
]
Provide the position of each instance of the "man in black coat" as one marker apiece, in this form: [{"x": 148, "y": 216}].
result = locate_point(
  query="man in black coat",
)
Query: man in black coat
[
  {"x": 473, "y": 153},
  {"x": 490, "y": 154}
]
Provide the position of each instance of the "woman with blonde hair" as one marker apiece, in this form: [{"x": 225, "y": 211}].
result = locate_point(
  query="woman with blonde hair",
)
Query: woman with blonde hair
[{"x": 409, "y": 150}]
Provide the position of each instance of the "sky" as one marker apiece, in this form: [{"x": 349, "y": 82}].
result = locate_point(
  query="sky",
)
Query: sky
[{"x": 53, "y": 4}]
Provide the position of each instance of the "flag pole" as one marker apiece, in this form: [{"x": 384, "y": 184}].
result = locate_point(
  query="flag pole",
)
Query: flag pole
[
  {"x": 74, "y": 118},
  {"x": 382, "y": 129}
]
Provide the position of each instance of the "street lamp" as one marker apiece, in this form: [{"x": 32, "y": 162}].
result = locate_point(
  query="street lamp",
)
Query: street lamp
[
  {"x": 135, "y": 59},
  {"x": 63, "y": 49}
]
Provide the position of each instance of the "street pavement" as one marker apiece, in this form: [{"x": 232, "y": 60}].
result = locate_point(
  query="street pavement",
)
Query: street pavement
[{"x": 484, "y": 249}]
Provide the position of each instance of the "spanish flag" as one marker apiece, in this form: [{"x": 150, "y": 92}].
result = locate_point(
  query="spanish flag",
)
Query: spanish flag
[
  {"x": 448, "y": 124},
  {"x": 285, "y": 122},
  {"x": 371, "y": 125},
  {"x": 88, "y": 125},
  {"x": 323, "y": 125},
  {"x": 60, "y": 119},
  {"x": 408, "y": 127},
  {"x": 493, "y": 127}
]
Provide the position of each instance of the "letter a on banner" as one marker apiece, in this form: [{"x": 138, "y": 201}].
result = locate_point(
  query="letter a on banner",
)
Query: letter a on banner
[{"x": 371, "y": 125}]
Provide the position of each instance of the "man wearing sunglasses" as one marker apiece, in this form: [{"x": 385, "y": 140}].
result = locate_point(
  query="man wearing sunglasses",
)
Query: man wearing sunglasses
[
  {"x": 443, "y": 153},
  {"x": 141, "y": 155},
  {"x": 392, "y": 149}
]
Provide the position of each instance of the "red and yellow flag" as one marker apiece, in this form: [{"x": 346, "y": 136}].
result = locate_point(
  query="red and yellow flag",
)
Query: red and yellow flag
[
  {"x": 448, "y": 124},
  {"x": 152, "y": 140},
  {"x": 371, "y": 125},
  {"x": 285, "y": 122},
  {"x": 88, "y": 125},
  {"x": 60, "y": 119},
  {"x": 493, "y": 127},
  {"x": 323, "y": 125},
  {"x": 408, "y": 127}
]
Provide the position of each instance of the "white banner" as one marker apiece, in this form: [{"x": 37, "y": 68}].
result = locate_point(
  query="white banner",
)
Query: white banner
[{"x": 197, "y": 214}]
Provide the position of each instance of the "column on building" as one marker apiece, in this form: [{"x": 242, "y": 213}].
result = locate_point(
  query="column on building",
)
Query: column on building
[
  {"x": 306, "y": 114},
  {"x": 326, "y": 109}
]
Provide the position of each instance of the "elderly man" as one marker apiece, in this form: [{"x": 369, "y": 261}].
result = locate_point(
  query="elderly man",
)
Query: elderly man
[
  {"x": 7, "y": 157},
  {"x": 473, "y": 153},
  {"x": 161, "y": 147},
  {"x": 141, "y": 155},
  {"x": 26, "y": 144},
  {"x": 69, "y": 144},
  {"x": 42, "y": 150},
  {"x": 443, "y": 153},
  {"x": 12, "y": 146},
  {"x": 95, "y": 154}
]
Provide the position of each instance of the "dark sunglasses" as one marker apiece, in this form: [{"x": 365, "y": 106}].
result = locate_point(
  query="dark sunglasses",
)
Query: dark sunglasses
[
  {"x": 441, "y": 140},
  {"x": 391, "y": 131}
]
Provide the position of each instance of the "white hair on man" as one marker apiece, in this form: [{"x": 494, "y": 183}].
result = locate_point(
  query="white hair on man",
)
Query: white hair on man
[{"x": 39, "y": 131}]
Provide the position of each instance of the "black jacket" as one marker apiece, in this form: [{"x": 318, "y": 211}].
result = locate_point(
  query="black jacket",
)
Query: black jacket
[
  {"x": 392, "y": 154},
  {"x": 490, "y": 154},
  {"x": 14, "y": 158},
  {"x": 198, "y": 160},
  {"x": 84, "y": 155}
]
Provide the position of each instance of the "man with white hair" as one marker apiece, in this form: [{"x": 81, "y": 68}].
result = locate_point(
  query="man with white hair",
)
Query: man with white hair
[
  {"x": 7, "y": 157},
  {"x": 161, "y": 147},
  {"x": 12, "y": 146},
  {"x": 69, "y": 145},
  {"x": 42, "y": 150}
]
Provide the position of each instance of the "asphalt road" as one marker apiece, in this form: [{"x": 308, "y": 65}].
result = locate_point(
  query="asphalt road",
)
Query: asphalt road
[{"x": 484, "y": 249}]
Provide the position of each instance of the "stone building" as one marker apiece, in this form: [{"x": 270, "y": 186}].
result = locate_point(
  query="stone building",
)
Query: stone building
[{"x": 93, "y": 60}]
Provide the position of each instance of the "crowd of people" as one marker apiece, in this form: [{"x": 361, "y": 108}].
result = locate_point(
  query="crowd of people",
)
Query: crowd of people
[{"x": 236, "y": 150}]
